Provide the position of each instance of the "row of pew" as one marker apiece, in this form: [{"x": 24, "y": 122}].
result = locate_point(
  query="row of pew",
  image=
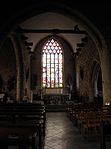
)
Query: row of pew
[
  {"x": 92, "y": 120},
  {"x": 22, "y": 125}
]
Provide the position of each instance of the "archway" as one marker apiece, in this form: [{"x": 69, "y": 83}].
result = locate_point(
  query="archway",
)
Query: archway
[
  {"x": 68, "y": 69},
  {"x": 7, "y": 71},
  {"x": 66, "y": 11},
  {"x": 97, "y": 83}
]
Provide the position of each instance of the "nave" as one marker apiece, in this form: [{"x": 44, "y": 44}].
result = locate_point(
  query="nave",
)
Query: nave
[{"x": 62, "y": 134}]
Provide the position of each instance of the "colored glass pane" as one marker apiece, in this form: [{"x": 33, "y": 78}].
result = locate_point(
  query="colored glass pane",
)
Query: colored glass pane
[{"x": 52, "y": 64}]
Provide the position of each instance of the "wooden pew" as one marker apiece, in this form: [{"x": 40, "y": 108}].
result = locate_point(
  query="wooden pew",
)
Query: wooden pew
[
  {"x": 21, "y": 119},
  {"x": 21, "y": 134},
  {"x": 26, "y": 111},
  {"x": 105, "y": 130}
]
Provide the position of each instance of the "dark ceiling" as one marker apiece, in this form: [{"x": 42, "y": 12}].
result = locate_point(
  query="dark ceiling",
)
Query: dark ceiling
[{"x": 96, "y": 11}]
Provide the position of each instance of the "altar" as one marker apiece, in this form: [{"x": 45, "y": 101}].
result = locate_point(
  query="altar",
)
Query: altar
[{"x": 53, "y": 96}]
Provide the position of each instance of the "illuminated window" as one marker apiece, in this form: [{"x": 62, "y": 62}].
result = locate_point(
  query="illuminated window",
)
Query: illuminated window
[{"x": 52, "y": 64}]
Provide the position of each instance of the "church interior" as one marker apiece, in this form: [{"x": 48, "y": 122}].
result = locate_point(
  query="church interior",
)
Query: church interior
[{"x": 55, "y": 63}]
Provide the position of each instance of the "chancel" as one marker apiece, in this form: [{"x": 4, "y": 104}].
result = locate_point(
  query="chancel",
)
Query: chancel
[{"x": 55, "y": 79}]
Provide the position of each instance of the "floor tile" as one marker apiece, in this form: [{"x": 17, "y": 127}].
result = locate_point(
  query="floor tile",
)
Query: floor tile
[{"x": 62, "y": 134}]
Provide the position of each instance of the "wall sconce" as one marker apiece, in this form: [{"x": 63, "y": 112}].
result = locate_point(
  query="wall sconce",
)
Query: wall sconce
[{"x": 107, "y": 103}]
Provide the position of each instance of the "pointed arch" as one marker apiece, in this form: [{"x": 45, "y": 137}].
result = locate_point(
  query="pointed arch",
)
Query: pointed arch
[
  {"x": 52, "y": 64},
  {"x": 96, "y": 79}
]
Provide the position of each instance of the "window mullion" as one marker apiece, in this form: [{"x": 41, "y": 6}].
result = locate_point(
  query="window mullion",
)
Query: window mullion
[
  {"x": 54, "y": 64},
  {"x": 62, "y": 70},
  {"x": 46, "y": 71},
  {"x": 50, "y": 71},
  {"x": 54, "y": 72},
  {"x": 58, "y": 69}
]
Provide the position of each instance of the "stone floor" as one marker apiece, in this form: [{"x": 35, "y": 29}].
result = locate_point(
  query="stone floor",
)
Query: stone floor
[{"x": 62, "y": 134}]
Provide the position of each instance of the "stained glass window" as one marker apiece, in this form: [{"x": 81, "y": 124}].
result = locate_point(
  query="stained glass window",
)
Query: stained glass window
[{"x": 52, "y": 64}]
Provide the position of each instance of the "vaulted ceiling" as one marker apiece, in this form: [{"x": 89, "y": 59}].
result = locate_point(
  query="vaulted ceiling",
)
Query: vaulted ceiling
[{"x": 44, "y": 24}]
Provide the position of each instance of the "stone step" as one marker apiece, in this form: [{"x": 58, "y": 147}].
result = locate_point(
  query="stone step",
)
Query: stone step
[{"x": 55, "y": 108}]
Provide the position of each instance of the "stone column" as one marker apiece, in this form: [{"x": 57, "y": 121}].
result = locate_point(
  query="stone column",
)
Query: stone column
[
  {"x": 29, "y": 80},
  {"x": 106, "y": 75},
  {"x": 19, "y": 66}
]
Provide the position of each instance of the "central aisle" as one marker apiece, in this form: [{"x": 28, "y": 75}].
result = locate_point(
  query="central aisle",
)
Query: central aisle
[{"x": 62, "y": 134}]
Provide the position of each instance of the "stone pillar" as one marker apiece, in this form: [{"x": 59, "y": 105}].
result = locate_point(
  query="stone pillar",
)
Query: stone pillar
[
  {"x": 106, "y": 75},
  {"x": 29, "y": 80},
  {"x": 19, "y": 66}
]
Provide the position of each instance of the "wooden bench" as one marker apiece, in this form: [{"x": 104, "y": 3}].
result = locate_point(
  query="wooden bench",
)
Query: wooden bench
[
  {"x": 25, "y": 111},
  {"x": 105, "y": 131},
  {"x": 24, "y": 121},
  {"x": 21, "y": 134}
]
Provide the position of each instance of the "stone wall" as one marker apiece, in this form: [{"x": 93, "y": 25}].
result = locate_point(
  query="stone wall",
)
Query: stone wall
[
  {"x": 85, "y": 60},
  {"x": 68, "y": 64},
  {"x": 7, "y": 69}
]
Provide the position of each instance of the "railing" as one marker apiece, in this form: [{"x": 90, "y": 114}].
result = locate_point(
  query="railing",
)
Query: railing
[
  {"x": 55, "y": 99},
  {"x": 52, "y": 96}
]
